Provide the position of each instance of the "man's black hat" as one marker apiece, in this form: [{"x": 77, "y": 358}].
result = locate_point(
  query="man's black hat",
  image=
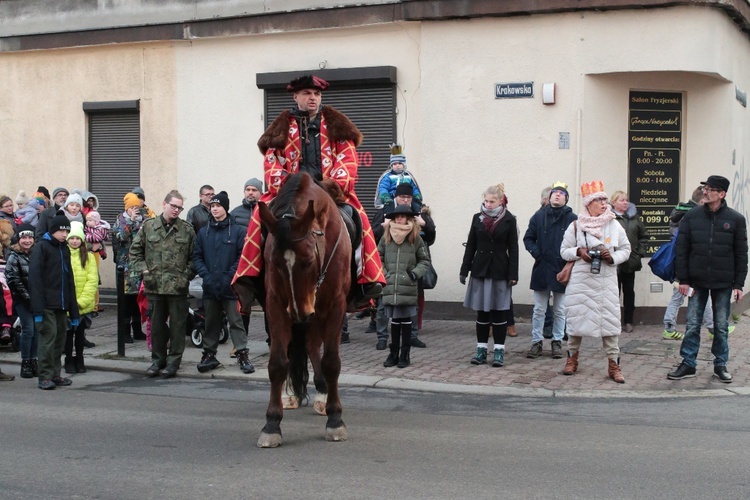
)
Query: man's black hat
[
  {"x": 717, "y": 182},
  {"x": 307, "y": 82}
]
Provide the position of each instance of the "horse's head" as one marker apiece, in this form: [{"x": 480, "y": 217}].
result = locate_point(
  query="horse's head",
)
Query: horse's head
[{"x": 294, "y": 250}]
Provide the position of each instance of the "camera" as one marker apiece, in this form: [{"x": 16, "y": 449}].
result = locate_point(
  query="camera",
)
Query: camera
[{"x": 596, "y": 261}]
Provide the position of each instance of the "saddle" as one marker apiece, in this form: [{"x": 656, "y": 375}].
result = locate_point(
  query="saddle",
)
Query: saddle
[{"x": 352, "y": 222}]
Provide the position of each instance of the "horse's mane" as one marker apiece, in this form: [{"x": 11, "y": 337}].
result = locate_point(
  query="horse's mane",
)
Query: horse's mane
[{"x": 284, "y": 204}]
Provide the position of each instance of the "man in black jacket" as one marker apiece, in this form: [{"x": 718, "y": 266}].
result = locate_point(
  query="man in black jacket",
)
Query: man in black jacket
[
  {"x": 243, "y": 213},
  {"x": 711, "y": 258}
]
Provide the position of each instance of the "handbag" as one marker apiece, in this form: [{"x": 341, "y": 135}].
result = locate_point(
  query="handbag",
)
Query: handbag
[
  {"x": 564, "y": 275},
  {"x": 430, "y": 277}
]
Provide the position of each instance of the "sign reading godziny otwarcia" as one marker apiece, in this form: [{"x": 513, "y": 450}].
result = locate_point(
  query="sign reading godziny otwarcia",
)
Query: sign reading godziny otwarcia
[{"x": 654, "y": 155}]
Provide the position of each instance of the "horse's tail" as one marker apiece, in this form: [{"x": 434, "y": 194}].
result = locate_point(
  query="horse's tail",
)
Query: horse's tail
[{"x": 297, "y": 354}]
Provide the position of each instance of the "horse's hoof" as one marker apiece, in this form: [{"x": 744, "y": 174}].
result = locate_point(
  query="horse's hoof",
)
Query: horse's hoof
[
  {"x": 289, "y": 402},
  {"x": 269, "y": 440},
  {"x": 337, "y": 434},
  {"x": 319, "y": 404}
]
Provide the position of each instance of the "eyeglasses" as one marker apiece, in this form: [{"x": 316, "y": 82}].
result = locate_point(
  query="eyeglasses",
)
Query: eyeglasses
[
  {"x": 176, "y": 207},
  {"x": 208, "y": 194},
  {"x": 707, "y": 189}
]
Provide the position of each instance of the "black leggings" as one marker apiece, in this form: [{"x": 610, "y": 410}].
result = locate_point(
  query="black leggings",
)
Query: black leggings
[
  {"x": 401, "y": 330},
  {"x": 74, "y": 338},
  {"x": 499, "y": 321}
]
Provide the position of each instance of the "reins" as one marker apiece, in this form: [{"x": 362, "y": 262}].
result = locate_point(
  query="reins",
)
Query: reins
[{"x": 323, "y": 267}]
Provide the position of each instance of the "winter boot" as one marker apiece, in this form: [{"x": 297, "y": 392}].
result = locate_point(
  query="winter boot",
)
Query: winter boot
[
  {"x": 403, "y": 359},
  {"x": 70, "y": 366},
  {"x": 498, "y": 359},
  {"x": 26, "y": 368},
  {"x": 480, "y": 357},
  {"x": 392, "y": 358},
  {"x": 80, "y": 367},
  {"x": 614, "y": 371},
  {"x": 571, "y": 365}
]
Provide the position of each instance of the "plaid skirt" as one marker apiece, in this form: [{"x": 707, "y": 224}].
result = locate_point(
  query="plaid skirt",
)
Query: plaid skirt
[{"x": 485, "y": 294}]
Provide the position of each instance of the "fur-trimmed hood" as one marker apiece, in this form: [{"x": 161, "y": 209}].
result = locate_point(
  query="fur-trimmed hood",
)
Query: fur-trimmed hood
[{"x": 340, "y": 128}]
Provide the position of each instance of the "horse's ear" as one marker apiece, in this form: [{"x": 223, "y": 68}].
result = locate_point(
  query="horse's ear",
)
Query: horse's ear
[
  {"x": 266, "y": 216},
  {"x": 309, "y": 216}
]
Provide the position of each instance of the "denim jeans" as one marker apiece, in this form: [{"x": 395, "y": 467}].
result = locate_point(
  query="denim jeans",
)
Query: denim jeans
[
  {"x": 670, "y": 315},
  {"x": 541, "y": 300},
  {"x": 720, "y": 299},
  {"x": 29, "y": 338}
]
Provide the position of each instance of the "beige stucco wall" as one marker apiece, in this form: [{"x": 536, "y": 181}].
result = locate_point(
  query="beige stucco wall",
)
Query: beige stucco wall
[
  {"x": 43, "y": 125},
  {"x": 201, "y": 112},
  {"x": 477, "y": 140}
]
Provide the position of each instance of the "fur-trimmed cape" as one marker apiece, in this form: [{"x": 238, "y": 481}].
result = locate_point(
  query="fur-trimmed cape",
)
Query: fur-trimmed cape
[{"x": 339, "y": 126}]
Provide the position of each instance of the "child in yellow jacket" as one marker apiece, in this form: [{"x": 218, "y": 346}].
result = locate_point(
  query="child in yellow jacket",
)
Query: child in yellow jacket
[{"x": 86, "y": 277}]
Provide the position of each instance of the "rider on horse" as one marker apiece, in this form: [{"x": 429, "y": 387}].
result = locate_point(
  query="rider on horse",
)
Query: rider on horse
[{"x": 321, "y": 141}]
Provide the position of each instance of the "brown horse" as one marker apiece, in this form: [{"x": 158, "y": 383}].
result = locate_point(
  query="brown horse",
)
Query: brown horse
[{"x": 307, "y": 278}]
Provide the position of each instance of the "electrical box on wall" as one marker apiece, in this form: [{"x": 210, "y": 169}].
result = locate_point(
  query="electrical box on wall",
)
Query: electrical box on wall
[{"x": 548, "y": 93}]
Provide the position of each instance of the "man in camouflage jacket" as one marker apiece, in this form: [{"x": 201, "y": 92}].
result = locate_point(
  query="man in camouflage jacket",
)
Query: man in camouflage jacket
[{"x": 162, "y": 252}]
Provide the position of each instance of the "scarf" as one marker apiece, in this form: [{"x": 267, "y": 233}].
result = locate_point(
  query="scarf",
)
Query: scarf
[
  {"x": 490, "y": 218},
  {"x": 594, "y": 225},
  {"x": 399, "y": 232},
  {"x": 78, "y": 217}
]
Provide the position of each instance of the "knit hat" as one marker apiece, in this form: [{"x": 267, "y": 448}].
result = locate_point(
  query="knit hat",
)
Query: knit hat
[
  {"x": 35, "y": 203},
  {"x": 591, "y": 191},
  {"x": 44, "y": 191},
  {"x": 59, "y": 190},
  {"x": 562, "y": 187},
  {"x": 95, "y": 216},
  {"x": 404, "y": 188},
  {"x": 74, "y": 198},
  {"x": 21, "y": 198},
  {"x": 221, "y": 198},
  {"x": 39, "y": 196},
  {"x": 256, "y": 183},
  {"x": 307, "y": 82},
  {"x": 59, "y": 223},
  {"x": 131, "y": 200},
  {"x": 25, "y": 229},
  {"x": 76, "y": 230},
  {"x": 397, "y": 155},
  {"x": 138, "y": 191}
]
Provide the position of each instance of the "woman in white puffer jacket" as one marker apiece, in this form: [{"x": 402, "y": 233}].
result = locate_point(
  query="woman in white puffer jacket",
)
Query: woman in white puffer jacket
[{"x": 592, "y": 299}]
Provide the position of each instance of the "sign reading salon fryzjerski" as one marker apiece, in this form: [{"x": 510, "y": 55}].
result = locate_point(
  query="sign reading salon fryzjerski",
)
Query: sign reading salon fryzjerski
[{"x": 654, "y": 147}]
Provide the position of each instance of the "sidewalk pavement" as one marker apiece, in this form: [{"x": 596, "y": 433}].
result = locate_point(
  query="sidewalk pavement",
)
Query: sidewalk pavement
[{"x": 444, "y": 365}]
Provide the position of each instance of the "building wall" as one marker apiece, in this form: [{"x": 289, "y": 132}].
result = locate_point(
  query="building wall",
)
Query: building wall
[{"x": 202, "y": 113}]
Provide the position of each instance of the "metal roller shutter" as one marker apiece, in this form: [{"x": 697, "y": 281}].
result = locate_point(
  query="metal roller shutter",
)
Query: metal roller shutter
[
  {"x": 114, "y": 159},
  {"x": 373, "y": 110}
]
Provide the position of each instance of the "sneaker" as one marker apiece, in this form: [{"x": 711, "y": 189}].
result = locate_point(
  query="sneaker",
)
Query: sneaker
[
  {"x": 682, "y": 371},
  {"x": 4, "y": 377},
  {"x": 61, "y": 382},
  {"x": 345, "y": 338},
  {"x": 722, "y": 374},
  {"x": 711, "y": 331},
  {"x": 628, "y": 328},
  {"x": 208, "y": 362},
  {"x": 480, "y": 357},
  {"x": 243, "y": 359},
  {"x": 415, "y": 342},
  {"x": 666, "y": 334},
  {"x": 153, "y": 371},
  {"x": 557, "y": 349},
  {"x": 88, "y": 345},
  {"x": 498, "y": 359},
  {"x": 535, "y": 351},
  {"x": 381, "y": 345},
  {"x": 169, "y": 372},
  {"x": 372, "y": 327},
  {"x": 5, "y": 337},
  {"x": 46, "y": 385}
]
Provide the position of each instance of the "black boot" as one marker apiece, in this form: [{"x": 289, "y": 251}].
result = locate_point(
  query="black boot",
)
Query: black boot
[
  {"x": 392, "y": 358},
  {"x": 403, "y": 359},
  {"x": 80, "y": 367},
  {"x": 34, "y": 367},
  {"x": 70, "y": 366},
  {"x": 26, "y": 368}
]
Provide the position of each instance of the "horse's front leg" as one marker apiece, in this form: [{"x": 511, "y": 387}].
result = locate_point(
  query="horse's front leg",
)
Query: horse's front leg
[
  {"x": 331, "y": 367},
  {"x": 278, "y": 366},
  {"x": 313, "y": 351}
]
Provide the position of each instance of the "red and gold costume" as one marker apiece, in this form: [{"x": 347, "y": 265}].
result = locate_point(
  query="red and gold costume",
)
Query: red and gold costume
[{"x": 281, "y": 147}]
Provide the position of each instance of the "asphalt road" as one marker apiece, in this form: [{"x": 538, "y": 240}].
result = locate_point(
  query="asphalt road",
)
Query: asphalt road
[{"x": 115, "y": 436}]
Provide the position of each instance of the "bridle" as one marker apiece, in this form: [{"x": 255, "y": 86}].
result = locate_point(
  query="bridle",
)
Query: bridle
[{"x": 315, "y": 234}]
